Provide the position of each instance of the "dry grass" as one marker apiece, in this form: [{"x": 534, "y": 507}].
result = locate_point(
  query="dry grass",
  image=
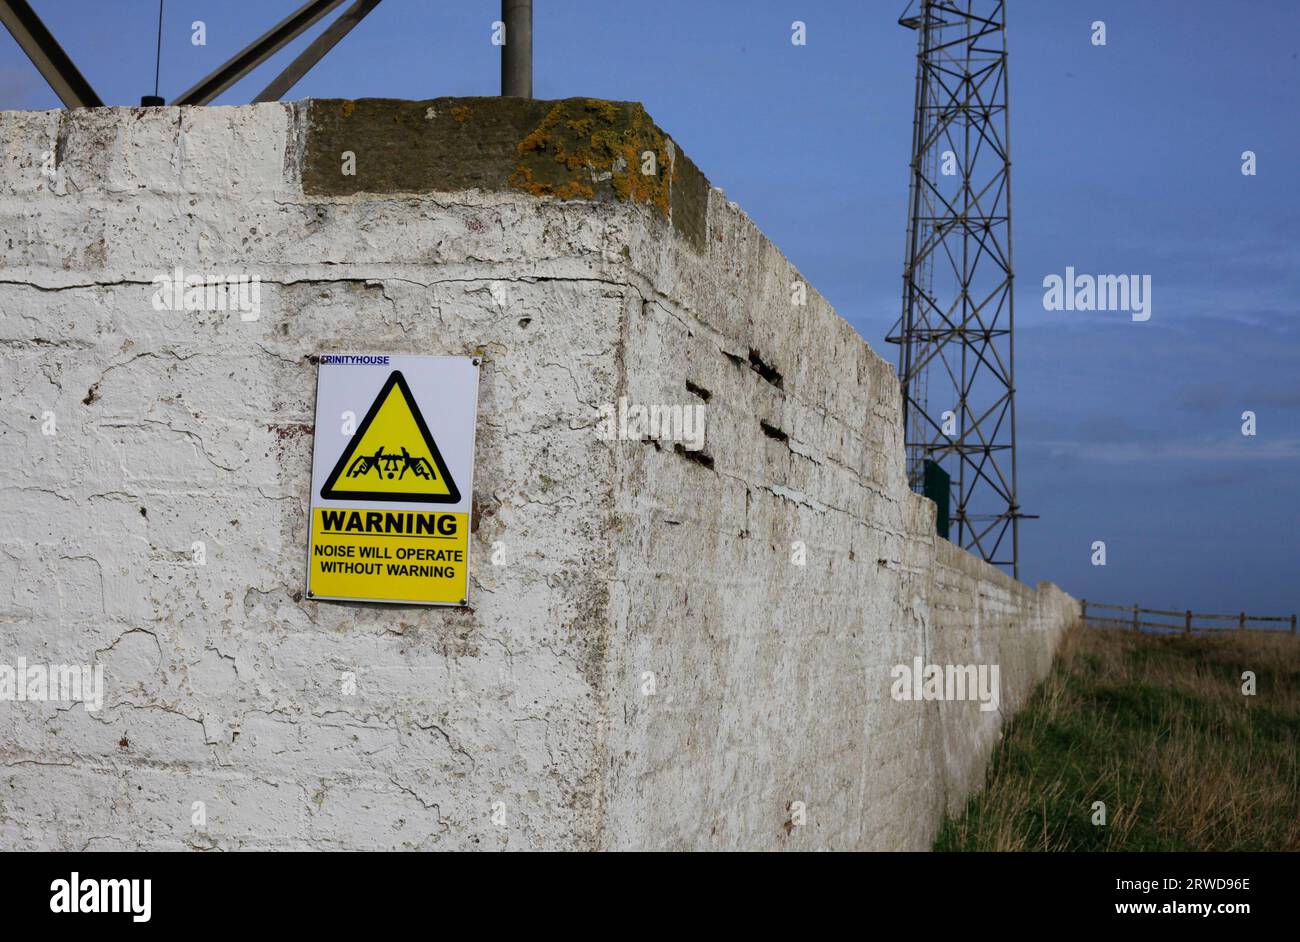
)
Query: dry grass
[{"x": 1157, "y": 728}]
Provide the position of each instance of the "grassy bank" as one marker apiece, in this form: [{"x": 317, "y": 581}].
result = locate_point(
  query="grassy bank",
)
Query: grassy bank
[{"x": 1159, "y": 730}]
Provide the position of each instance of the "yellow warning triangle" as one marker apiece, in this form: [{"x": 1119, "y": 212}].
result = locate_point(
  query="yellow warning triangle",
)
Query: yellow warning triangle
[{"x": 392, "y": 456}]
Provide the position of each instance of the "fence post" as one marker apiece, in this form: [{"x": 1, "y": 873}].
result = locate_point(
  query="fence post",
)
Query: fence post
[
  {"x": 1292, "y": 624},
  {"x": 1241, "y": 624},
  {"x": 1083, "y": 615},
  {"x": 1135, "y": 616},
  {"x": 1187, "y": 626}
]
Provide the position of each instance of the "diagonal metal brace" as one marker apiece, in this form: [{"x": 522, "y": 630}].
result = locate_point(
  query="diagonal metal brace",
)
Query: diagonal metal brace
[
  {"x": 253, "y": 55},
  {"x": 47, "y": 55},
  {"x": 322, "y": 44}
]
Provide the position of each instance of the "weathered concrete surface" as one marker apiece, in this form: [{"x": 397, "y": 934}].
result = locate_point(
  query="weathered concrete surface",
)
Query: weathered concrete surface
[
  {"x": 579, "y": 283},
  {"x": 576, "y": 148},
  {"x": 774, "y": 679}
]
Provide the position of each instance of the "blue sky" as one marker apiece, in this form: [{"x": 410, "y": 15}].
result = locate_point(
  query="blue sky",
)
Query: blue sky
[{"x": 1126, "y": 160}]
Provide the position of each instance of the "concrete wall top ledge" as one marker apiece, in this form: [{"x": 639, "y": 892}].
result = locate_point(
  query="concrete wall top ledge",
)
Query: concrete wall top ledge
[
  {"x": 569, "y": 149},
  {"x": 573, "y": 148}
]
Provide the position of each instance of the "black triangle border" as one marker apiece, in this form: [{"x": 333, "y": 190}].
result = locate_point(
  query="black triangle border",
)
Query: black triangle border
[{"x": 328, "y": 491}]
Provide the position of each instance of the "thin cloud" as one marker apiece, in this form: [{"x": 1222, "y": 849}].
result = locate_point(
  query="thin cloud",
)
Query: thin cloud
[{"x": 1248, "y": 449}]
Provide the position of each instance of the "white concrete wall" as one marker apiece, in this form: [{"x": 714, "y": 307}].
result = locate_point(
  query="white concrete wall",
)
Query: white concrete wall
[
  {"x": 223, "y": 685},
  {"x": 774, "y": 678}
]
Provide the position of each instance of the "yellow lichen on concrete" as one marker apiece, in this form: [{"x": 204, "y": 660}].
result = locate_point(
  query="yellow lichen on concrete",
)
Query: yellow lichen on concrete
[{"x": 583, "y": 142}]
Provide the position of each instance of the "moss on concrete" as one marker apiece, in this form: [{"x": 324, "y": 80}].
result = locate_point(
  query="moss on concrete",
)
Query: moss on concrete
[{"x": 575, "y": 148}]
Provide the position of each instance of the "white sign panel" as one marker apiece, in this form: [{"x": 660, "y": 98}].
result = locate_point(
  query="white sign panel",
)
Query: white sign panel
[{"x": 392, "y": 477}]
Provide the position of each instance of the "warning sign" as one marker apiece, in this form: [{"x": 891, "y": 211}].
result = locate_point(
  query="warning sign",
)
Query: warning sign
[
  {"x": 411, "y": 467},
  {"x": 373, "y": 535}
]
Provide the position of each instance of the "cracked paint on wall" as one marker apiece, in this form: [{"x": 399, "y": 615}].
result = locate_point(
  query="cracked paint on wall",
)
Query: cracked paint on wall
[{"x": 226, "y": 687}]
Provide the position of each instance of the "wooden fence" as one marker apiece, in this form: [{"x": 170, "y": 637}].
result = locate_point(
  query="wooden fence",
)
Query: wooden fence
[{"x": 1186, "y": 620}]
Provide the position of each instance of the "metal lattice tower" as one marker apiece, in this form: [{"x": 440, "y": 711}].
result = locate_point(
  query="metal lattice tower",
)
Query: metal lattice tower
[{"x": 955, "y": 333}]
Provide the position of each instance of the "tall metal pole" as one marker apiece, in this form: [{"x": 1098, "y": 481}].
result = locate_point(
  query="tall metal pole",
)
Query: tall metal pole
[
  {"x": 1016, "y": 515},
  {"x": 517, "y": 53},
  {"x": 914, "y": 204}
]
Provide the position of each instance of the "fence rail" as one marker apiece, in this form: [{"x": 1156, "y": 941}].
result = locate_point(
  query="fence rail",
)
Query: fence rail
[{"x": 1188, "y": 617}]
